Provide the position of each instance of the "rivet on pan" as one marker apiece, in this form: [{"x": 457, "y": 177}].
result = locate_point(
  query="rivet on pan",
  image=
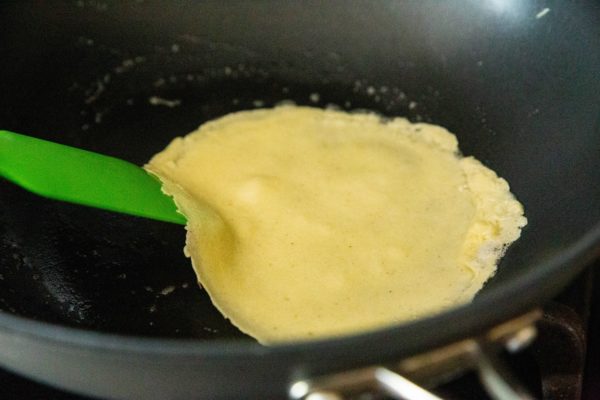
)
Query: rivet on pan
[
  {"x": 323, "y": 396},
  {"x": 521, "y": 339}
]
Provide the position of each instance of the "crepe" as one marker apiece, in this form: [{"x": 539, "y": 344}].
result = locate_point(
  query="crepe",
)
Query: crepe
[{"x": 307, "y": 223}]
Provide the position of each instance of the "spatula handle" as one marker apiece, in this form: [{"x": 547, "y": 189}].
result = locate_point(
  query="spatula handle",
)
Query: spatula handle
[{"x": 78, "y": 176}]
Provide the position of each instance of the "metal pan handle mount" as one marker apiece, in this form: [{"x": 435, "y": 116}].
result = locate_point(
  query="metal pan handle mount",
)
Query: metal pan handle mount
[{"x": 434, "y": 367}]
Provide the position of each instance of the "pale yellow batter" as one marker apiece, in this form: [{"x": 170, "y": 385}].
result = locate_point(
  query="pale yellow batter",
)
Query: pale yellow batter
[{"x": 306, "y": 223}]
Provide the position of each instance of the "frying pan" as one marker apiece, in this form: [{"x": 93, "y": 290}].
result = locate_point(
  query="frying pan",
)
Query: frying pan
[{"x": 107, "y": 304}]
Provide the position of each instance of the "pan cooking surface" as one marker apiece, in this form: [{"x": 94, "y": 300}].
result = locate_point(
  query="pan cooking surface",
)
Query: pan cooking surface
[
  {"x": 103, "y": 271},
  {"x": 109, "y": 272},
  {"x": 513, "y": 99}
]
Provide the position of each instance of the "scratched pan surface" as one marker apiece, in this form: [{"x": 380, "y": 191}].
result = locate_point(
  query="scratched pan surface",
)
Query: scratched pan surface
[{"x": 107, "y": 304}]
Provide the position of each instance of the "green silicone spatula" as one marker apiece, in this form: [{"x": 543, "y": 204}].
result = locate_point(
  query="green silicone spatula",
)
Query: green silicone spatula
[{"x": 78, "y": 176}]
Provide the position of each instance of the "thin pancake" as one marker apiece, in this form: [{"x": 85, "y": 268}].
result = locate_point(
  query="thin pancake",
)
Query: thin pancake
[{"x": 306, "y": 223}]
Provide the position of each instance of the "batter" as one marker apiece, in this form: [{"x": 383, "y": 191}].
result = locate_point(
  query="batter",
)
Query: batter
[{"x": 306, "y": 223}]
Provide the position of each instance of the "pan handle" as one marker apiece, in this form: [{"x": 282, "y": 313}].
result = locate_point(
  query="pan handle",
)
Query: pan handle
[
  {"x": 432, "y": 368},
  {"x": 497, "y": 379}
]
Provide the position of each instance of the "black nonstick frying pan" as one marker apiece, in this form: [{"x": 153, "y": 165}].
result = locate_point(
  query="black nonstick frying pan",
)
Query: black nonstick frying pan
[{"x": 107, "y": 304}]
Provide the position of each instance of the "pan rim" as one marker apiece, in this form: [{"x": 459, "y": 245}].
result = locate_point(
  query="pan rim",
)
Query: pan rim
[{"x": 524, "y": 293}]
